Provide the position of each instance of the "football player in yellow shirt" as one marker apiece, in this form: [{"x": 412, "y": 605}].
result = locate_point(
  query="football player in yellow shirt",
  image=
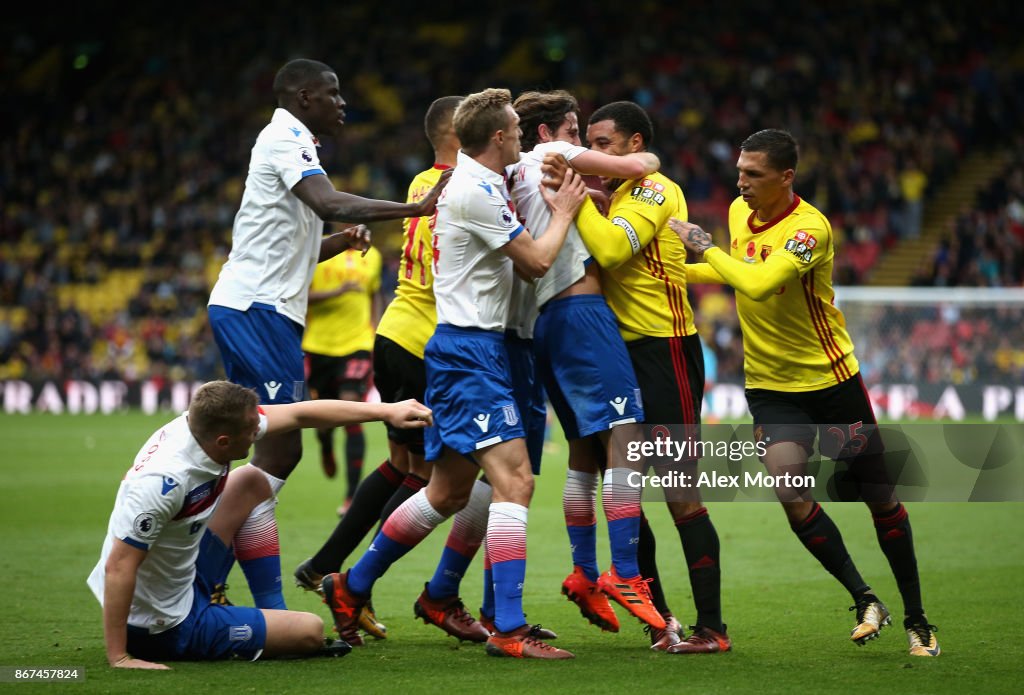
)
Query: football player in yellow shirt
[
  {"x": 344, "y": 307},
  {"x": 802, "y": 377},
  {"x": 644, "y": 280}
]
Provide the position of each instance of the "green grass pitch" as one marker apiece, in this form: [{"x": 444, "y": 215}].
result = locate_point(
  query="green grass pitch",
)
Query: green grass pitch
[{"x": 787, "y": 617}]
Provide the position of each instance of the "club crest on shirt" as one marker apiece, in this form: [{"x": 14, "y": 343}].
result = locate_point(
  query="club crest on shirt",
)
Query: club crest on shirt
[{"x": 765, "y": 252}]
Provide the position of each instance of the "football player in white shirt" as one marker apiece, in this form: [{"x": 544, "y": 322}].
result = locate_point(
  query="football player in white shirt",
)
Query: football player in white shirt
[
  {"x": 585, "y": 367},
  {"x": 592, "y": 360},
  {"x": 156, "y": 605},
  {"x": 257, "y": 308},
  {"x": 477, "y": 241}
]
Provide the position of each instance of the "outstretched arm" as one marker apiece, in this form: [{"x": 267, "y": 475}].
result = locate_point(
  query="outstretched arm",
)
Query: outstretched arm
[
  {"x": 119, "y": 586},
  {"x": 630, "y": 166},
  {"x": 336, "y": 413},
  {"x": 759, "y": 282},
  {"x": 613, "y": 242},
  {"x": 333, "y": 205},
  {"x": 703, "y": 273}
]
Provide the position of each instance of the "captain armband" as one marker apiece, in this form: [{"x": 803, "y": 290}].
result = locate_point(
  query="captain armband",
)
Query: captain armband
[{"x": 634, "y": 238}]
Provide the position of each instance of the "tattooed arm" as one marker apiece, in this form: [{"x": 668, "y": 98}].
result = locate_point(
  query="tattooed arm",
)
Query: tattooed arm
[{"x": 758, "y": 281}]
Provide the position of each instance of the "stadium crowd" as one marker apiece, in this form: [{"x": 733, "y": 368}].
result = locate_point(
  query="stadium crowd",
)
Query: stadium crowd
[{"x": 125, "y": 144}]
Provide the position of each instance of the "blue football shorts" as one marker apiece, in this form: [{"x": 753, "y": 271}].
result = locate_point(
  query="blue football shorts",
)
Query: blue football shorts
[
  {"x": 585, "y": 367},
  {"x": 211, "y": 631},
  {"x": 262, "y": 350},
  {"x": 470, "y": 391},
  {"x": 529, "y": 394}
]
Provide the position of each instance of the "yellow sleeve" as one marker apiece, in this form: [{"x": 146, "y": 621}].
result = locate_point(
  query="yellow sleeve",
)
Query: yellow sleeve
[
  {"x": 702, "y": 273},
  {"x": 613, "y": 242},
  {"x": 759, "y": 282}
]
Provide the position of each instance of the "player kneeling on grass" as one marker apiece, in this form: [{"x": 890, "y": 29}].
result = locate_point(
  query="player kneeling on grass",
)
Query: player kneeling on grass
[{"x": 156, "y": 602}]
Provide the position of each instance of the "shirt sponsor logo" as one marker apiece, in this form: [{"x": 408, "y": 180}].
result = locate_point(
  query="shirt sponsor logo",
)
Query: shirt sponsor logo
[
  {"x": 799, "y": 249},
  {"x": 634, "y": 238},
  {"x": 648, "y": 196},
  {"x": 201, "y": 498}
]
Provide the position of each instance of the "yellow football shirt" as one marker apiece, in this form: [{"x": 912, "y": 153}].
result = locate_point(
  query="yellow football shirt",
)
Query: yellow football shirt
[
  {"x": 343, "y": 324},
  {"x": 795, "y": 340},
  {"x": 642, "y": 260},
  {"x": 412, "y": 315}
]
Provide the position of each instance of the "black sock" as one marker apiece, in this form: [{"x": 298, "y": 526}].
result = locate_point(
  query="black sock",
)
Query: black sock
[
  {"x": 409, "y": 487},
  {"x": 820, "y": 536},
  {"x": 370, "y": 496},
  {"x": 897, "y": 542},
  {"x": 645, "y": 559},
  {"x": 702, "y": 551},
  {"x": 355, "y": 449},
  {"x": 326, "y": 439}
]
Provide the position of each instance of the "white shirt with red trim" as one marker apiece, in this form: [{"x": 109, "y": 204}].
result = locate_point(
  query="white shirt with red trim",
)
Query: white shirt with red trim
[{"x": 163, "y": 506}]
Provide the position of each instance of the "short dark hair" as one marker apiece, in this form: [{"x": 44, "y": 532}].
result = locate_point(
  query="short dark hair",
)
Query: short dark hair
[
  {"x": 479, "y": 116},
  {"x": 778, "y": 145},
  {"x": 628, "y": 117},
  {"x": 547, "y": 108},
  {"x": 220, "y": 407},
  {"x": 298, "y": 73},
  {"x": 439, "y": 118}
]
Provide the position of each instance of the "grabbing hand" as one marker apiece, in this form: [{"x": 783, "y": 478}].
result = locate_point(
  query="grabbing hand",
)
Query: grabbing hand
[
  {"x": 554, "y": 168},
  {"x": 357, "y": 237},
  {"x": 569, "y": 196},
  {"x": 695, "y": 239},
  {"x": 410, "y": 414},
  {"x": 429, "y": 201}
]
